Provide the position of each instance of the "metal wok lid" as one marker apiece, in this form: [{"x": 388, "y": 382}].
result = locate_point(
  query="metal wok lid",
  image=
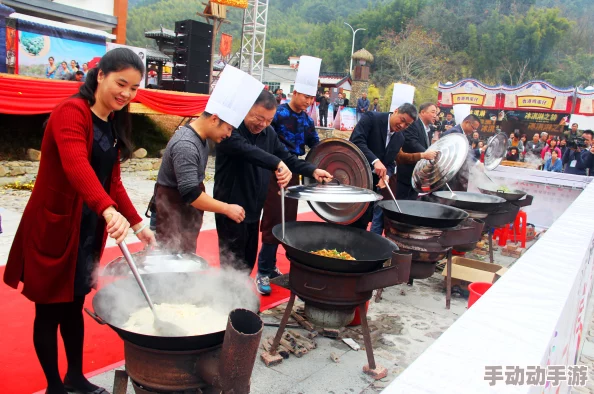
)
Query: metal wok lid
[
  {"x": 349, "y": 167},
  {"x": 156, "y": 261},
  {"x": 332, "y": 193},
  {"x": 496, "y": 151},
  {"x": 429, "y": 176}
]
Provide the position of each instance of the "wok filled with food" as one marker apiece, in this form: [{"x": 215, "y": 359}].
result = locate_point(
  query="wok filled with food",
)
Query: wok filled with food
[
  {"x": 335, "y": 254},
  {"x": 191, "y": 301},
  {"x": 334, "y": 247}
]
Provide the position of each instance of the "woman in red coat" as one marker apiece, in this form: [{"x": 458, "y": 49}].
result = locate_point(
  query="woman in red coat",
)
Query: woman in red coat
[{"x": 63, "y": 230}]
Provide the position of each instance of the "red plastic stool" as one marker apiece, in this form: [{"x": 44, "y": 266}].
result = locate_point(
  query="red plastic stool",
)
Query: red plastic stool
[
  {"x": 503, "y": 234},
  {"x": 520, "y": 226}
]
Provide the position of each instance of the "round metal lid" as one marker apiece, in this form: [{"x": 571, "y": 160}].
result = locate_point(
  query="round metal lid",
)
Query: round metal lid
[
  {"x": 333, "y": 193},
  {"x": 496, "y": 151},
  {"x": 429, "y": 176},
  {"x": 349, "y": 167}
]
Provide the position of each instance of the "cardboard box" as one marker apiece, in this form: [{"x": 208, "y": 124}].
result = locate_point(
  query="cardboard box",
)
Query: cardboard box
[{"x": 466, "y": 271}]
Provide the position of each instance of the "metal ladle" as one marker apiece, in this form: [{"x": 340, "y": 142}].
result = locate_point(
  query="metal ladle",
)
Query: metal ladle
[
  {"x": 453, "y": 194},
  {"x": 282, "y": 193},
  {"x": 387, "y": 180},
  {"x": 162, "y": 327}
]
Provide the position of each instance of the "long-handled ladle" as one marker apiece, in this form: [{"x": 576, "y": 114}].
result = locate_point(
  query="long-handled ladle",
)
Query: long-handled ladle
[
  {"x": 453, "y": 194},
  {"x": 162, "y": 327},
  {"x": 387, "y": 180}
]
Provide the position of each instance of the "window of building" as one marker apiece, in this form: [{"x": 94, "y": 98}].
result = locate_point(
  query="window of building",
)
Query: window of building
[{"x": 272, "y": 86}]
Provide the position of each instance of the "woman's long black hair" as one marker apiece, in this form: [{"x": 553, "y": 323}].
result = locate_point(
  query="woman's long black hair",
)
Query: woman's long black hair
[{"x": 117, "y": 59}]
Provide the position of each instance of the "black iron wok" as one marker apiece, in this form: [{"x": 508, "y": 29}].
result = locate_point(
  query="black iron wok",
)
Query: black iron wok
[
  {"x": 512, "y": 195},
  {"x": 422, "y": 213},
  {"x": 114, "y": 303},
  {"x": 469, "y": 201},
  {"x": 301, "y": 238}
]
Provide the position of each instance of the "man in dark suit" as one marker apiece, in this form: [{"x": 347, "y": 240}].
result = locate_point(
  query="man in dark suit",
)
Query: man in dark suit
[
  {"x": 417, "y": 138},
  {"x": 379, "y": 136},
  {"x": 469, "y": 125}
]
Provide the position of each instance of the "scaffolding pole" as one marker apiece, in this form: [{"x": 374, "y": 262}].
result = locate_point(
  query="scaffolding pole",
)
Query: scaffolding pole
[{"x": 253, "y": 38}]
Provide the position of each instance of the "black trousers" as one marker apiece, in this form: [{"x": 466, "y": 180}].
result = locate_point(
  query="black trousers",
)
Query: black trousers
[
  {"x": 324, "y": 117},
  {"x": 238, "y": 243},
  {"x": 406, "y": 192},
  {"x": 363, "y": 222}
]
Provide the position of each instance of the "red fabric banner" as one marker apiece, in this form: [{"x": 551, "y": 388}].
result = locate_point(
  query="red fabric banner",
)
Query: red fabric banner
[{"x": 31, "y": 96}]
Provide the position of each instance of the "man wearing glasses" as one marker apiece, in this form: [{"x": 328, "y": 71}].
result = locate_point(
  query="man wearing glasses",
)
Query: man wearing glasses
[
  {"x": 469, "y": 125},
  {"x": 246, "y": 162}
]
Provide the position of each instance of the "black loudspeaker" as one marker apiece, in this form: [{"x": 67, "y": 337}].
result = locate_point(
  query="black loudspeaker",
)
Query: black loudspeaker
[
  {"x": 194, "y": 44},
  {"x": 197, "y": 87},
  {"x": 175, "y": 85},
  {"x": 196, "y": 74},
  {"x": 192, "y": 59},
  {"x": 193, "y": 28}
]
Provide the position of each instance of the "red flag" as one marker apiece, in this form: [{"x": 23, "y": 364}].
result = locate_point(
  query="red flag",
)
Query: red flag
[{"x": 225, "y": 45}]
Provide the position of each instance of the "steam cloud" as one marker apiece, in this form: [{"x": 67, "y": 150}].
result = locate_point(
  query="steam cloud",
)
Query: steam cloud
[{"x": 222, "y": 289}]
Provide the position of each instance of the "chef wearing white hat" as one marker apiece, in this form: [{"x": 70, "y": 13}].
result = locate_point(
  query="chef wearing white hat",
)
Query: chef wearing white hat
[
  {"x": 180, "y": 197},
  {"x": 296, "y": 130}
]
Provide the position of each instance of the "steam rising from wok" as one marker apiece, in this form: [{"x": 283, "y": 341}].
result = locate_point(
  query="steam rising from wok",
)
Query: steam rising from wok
[{"x": 220, "y": 289}]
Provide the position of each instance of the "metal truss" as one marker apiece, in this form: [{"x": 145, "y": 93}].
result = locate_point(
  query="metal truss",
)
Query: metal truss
[{"x": 253, "y": 38}]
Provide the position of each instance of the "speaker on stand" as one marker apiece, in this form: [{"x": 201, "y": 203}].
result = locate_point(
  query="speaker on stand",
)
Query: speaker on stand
[{"x": 192, "y": 56}]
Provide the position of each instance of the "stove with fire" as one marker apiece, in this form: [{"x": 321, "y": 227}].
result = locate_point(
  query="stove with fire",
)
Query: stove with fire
[{"x": 217, "y": 361}]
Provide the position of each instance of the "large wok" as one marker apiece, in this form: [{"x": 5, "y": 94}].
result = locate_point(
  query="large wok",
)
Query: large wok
[
  {"x": 301, "y": 238},
  {"x": 422, "y": 213},
  {"x": 470, "y": 201},
  {"x": 114, "y": 303},
  {"x": 512, "y": 195}
]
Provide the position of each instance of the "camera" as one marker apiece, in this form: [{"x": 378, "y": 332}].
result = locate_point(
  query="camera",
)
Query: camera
[{"x": 576, "y": 142}]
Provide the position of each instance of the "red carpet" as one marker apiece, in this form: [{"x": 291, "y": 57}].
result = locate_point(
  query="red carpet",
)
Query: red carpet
[{"x": 20, "y": 371}]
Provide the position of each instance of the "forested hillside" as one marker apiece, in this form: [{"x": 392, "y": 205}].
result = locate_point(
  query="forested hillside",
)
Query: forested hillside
[{"x": 416, "y": 41}]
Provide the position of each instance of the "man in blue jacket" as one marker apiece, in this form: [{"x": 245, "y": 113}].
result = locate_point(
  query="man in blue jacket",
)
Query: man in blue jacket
[
  {"x": 362, "y": 106},
  {"x": 576, "y": 161}
]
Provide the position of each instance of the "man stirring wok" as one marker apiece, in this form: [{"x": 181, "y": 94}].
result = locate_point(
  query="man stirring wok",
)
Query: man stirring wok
[
  {"x": 295, "y": 129},
  {"x": 180, "y": 194},
  {"x": 379, "y": 136},
  {"x": 245, "y": 164}
]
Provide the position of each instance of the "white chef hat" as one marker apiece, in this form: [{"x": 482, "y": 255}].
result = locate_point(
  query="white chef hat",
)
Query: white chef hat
[
  {"x": 461, "y": 111},
  {"x": 402, "y": 93},
  {"x": 233, "y": 96},
  {"x": 308, "y": 73}
]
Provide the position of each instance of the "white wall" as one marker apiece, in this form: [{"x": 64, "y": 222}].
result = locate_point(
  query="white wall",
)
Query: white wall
[
  {"x": 100, "y": 6},
  {"x": 533, "y": 316}
]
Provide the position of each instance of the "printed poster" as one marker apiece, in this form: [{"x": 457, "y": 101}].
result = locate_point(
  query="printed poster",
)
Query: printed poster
[
  {"x": 35, "y": 50},
  {"x": 348, "y": 119}
]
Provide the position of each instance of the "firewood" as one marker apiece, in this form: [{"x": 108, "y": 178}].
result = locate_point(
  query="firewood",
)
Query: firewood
[
  {"x": 302, "y": 321},
  {"x": 297, "y": 350},
  {"x": 334, "y": 357},
  {"x": 284, "y": 352},
  {"x": 300, "y": 340},
  {"x": 331, "y": 333}
]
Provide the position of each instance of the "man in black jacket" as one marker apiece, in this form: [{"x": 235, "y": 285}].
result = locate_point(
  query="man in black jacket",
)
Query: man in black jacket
[
  {"x": 379, "y": 136},
  {"x": 244, "y": 163},
  {"x": 324, "y": 100},
  {"x": 417, "y": 138}
]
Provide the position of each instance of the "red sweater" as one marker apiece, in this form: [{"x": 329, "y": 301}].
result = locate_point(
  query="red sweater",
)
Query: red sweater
[{"x": 45, "y": 248}]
